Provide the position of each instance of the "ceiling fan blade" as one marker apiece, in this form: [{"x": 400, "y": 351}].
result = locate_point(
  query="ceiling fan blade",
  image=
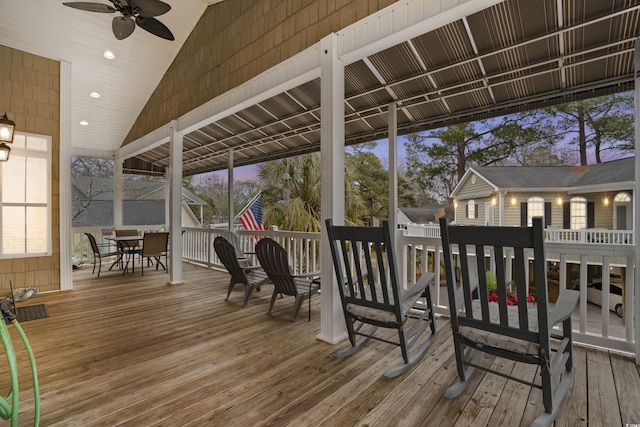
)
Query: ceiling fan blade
[
  {"x": 149, "y": 8},
  {"x": 91, "y": 7},
  {"x": 155, "y": 27},
  {"x": 122, "y": 27}
]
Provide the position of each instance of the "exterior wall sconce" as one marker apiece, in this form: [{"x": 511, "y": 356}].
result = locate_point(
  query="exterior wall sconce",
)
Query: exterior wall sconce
[
  {"x": 559, "y": 200},
  {"x": 606, "y": 201},
  {"x": 494, "y": 201},
  {"x": 513, "y": 201},
  {"x": 6, "y": 136}
]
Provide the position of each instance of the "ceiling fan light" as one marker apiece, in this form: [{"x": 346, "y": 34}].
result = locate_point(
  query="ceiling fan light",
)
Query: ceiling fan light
[{"x": 108, "y": 54}]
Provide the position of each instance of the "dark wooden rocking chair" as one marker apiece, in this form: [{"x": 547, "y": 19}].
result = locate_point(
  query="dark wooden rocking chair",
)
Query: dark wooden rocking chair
[
  {"x": 516, "y": 332},
  {"x": 372, "y": 296}
]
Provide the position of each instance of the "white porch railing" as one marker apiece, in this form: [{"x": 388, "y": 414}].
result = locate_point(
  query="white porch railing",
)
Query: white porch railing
[
  {"x": 303, "y": 248},
  {"x": 552, "y": 235},
  {"x": 593, "y": 325}
]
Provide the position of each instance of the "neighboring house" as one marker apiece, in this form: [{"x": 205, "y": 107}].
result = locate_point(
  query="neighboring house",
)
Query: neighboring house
[
  {"x": 429, "y": 214},
  {"x": 143, "y": 203},
  {"x": 568, "y": 197}
]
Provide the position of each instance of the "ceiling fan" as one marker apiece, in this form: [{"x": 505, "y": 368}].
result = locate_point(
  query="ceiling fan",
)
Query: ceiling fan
[{"x": 133, "y": 12}]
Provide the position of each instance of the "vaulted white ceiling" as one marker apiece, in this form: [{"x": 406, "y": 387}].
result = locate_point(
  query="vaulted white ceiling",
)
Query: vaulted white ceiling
[{"x": 125, "y": 83}]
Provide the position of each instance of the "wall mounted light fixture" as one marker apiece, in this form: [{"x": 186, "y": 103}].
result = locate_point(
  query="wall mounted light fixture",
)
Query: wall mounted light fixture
[{"x": 6, "y": 137}]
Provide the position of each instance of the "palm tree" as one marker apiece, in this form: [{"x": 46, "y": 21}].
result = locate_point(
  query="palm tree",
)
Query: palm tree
[{"x": 291, "y": 194}]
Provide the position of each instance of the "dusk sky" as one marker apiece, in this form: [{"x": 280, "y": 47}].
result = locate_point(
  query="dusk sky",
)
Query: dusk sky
[{"x": 249, "y": 173}]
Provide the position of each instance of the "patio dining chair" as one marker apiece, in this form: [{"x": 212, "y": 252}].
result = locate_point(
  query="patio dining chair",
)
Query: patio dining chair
[
  {"x": 154, "y": 247},
  {"x": 252, "y": 277},
  {"x": 501, "y": 323},
  {"x": 373, "y": 297},
  {"x": 129, "y": 248},
  {"x": 275, "y": 262},
  {"x": 98, "y": 254}
]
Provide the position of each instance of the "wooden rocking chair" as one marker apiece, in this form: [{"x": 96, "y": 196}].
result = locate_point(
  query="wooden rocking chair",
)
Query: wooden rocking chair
[
  {"x": 373, "y": 297},
  {"x": 516, "y": 332}
]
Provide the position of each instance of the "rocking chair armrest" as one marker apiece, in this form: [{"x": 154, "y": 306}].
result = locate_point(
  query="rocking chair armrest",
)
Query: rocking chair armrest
[
  {"x": 564, "y": 306},
  {"x": 419, "y": 287}
]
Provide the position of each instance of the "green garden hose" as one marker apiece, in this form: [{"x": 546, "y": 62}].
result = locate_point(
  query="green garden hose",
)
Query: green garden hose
[{"x": 9, "y": 405}]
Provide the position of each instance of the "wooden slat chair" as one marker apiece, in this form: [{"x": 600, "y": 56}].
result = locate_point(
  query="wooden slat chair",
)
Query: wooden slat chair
[
  {"x": 243, "y": 258},
  {"x": 251, "y": 277},
  {"x": 98, "y": 255},
  {"x": 275, "y": 262},
  {"x": 372, "y": 295},
  {"x": 516, "y": 332}
]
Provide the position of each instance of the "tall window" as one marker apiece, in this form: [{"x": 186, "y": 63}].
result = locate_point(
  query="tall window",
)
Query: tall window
[
  {"x": 535, "y": 207},
  {"x": 578, "y": 212},
  {"x": 471, "y": 209},
  {"x": 26, "y": 198}
]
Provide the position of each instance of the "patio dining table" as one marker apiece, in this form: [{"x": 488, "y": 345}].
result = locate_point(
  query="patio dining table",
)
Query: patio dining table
[{"x": 127, "y": 247}]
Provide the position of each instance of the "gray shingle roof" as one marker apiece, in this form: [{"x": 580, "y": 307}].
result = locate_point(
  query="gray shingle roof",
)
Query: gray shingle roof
[
  {"x": 427, "y": 214},
  {"x": 532, "y": 177},
  {"x": 102, "y": 189}
]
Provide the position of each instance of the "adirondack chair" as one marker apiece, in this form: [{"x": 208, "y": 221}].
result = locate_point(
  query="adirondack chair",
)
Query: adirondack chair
[
  {"x": 372, "y": 295},
  {"x": 244, "y": 259},
  {"x": 275, "y": 262},
  {"x": 516, "y": 332},
  {"x": 251, "y": 277}
]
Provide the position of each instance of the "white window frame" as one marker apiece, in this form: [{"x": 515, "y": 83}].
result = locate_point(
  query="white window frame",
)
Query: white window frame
[
  {"x": 577, "y": 213},
  {"x": 535, "y": 207},
  {"x": 471, "y": 209},
  {"x": 16, "y": 152}
]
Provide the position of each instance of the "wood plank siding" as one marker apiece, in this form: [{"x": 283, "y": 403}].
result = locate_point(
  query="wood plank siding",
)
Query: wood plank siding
[{"x": 135, "y": 351}]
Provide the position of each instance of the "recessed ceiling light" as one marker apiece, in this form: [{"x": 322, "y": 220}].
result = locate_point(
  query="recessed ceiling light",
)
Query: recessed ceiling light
[
  {"x": 108, "y": 54},
  {"x": 94, "y": 95},
  {"x": 84, "y": 123}
]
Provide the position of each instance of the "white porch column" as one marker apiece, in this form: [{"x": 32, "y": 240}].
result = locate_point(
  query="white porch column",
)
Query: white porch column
[
  {"x": 117, "y": 192},
  {"x": 175, "y": 205},
  {"x": 402, "y": 251},
  {"x": 230, "y": 189},
  {"x": 332, "y": 327},
  {"x": 636, "y": 194},
  {"x": 66, "y": 232},
  {"x": 393, "y": 167}
]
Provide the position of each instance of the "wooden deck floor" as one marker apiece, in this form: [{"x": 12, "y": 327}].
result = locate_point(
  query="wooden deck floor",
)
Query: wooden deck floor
[{"x": 132, "y": 350}]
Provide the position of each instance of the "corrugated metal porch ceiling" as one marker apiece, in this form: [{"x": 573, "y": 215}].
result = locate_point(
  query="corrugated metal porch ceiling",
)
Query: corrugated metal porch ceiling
[{"x": 517, "y": 55}]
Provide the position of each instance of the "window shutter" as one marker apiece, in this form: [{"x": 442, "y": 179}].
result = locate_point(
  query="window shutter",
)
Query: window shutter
[
  {"x": 466, "y": 211},
  {"x": 547, "y": 214},
  {"x": 523, "y": 214},
  {"x": 566, "y": 215},
  {"x": 591, "y": 220},
  {"x": 477, "y": 210}
]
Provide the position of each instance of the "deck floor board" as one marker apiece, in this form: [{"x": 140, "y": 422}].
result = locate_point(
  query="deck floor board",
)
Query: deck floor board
[{"x": 133, "y": 350}]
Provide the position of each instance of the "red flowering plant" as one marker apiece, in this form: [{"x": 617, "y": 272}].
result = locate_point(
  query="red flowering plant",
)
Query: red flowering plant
[{"x": 512, "y": 297}]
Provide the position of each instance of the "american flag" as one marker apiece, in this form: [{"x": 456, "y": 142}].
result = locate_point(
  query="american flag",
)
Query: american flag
[{"x": 251, "y": 218}]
